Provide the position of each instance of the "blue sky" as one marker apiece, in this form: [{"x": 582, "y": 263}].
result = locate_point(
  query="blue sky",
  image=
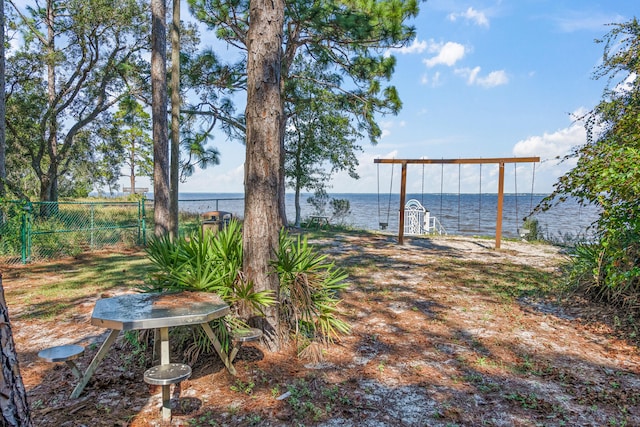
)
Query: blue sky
[{"x": 494, "y": 78}]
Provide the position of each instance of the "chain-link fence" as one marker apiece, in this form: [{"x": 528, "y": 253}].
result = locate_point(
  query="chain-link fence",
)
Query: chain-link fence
[
  {"x": 190, "y": 213},
  {"x": 34, "y": 231}
]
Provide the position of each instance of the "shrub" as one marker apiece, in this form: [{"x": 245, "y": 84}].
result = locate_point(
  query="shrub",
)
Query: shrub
[
  {"x": 609, "y": 270},
  {"x": 341, "y": 208},
  {"x": 208, "y": 262},
  {"x": 309, "y": 295},
  {"x": 533, "y": 230}
]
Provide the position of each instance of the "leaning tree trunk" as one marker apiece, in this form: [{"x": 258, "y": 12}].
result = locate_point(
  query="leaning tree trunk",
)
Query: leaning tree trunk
[
  {"x": 264, "y": 115},
  {"x": 13, "y": 397}
]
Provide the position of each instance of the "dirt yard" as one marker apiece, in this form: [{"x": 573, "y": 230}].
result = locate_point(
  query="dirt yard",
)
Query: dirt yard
[{"x": 446, "y": 332}]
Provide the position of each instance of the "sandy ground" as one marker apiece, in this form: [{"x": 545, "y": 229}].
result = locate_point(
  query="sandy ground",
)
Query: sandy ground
[{"x": 436, "y": 340}]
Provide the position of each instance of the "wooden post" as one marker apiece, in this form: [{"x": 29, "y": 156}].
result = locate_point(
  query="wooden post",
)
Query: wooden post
[
  {"x": 403, "y": 196},
  {"x": 500, "y": 204}
]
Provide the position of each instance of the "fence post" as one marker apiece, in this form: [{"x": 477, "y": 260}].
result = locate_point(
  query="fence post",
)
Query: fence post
[
  {"x": 92, "y": 243},
  {"x": 142, "y": 226},
  {"x": 25, "y": 232}
]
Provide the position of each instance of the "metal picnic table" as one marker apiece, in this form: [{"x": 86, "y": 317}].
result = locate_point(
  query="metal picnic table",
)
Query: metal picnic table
[{"x": 155, "y": 311}]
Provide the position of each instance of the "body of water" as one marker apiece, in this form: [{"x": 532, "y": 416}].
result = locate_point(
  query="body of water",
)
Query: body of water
[{"x": 464, "y": 214}]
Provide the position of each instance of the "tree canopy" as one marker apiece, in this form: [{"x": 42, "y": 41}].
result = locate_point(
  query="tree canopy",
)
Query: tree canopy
[
  {"x": 346, "y": 42},
  {"x": 607, "y": 173},
  {"x": 320, "y": 138},
  {"x": 79, "y": 57}
]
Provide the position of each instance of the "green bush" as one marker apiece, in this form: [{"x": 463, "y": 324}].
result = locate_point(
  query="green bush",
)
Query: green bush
[
  {"x": 309, "y": 294},
  {"x": 208, "y": 262},
  {"x": 609, "y": 270},
  {"x": 205, "y": 262},
  {"x": 341, "y": 208},
  {"x": 10, "y": 225},
  {"x": 531, "y": 230}
]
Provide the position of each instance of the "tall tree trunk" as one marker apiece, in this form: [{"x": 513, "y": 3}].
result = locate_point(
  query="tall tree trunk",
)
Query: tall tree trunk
[
  {"x": 282, "y": 205},
  {"x": 297, "y": 204},
  {"x": 48, "y": 191},
  {"x": 264, "y": 115},
  {"x": 13, "y": 396},
  {"x": 175, "y": 120},
  {"x": 159, "y": 117},
  {"x": 3, "y": 111}
]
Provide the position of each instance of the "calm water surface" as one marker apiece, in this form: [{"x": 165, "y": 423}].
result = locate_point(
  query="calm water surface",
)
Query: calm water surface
[{"x": 465, "y": 214}]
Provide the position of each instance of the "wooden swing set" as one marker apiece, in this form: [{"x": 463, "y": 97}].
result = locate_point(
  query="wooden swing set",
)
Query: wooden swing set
[{"x": 501, "y": 161}]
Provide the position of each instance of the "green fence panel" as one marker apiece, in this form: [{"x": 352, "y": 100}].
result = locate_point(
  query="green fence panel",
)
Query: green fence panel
[
  {"x": 12, "y": 229},
  {"x": 35, "y": 231}
]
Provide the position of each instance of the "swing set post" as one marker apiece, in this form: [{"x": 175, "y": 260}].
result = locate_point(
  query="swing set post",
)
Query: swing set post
[
  {"x": 500, "y": 204},
  {"x": 500, "y": 161},
  {"x": 403, "y": 196}
]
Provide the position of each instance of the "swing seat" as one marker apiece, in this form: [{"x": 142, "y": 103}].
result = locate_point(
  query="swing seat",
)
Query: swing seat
[{"x": 384, "y": 225}]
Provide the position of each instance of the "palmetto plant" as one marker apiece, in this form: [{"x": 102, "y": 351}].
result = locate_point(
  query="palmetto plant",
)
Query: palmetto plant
[
  {"x": 309, "y": 294},
  {"x": 205, "y": 262},
  {"x": 208, "y": 262}
]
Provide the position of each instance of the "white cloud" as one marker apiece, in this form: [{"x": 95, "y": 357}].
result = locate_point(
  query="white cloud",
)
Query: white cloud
[
  {"x": 417, "y": 46},
  {"x": 388, "y": 125},
  {"x": 551, "y": 148},
  {"x": 447, "y": 54},
  {"x": 471, "y": 15},
  {"x": 470, "y": 74},
  {"x": 493, "y": 79},
  {"x": 626, "y": 85},
  {"x": 214, "y": 180},
  {"x": 552, "y": 145},
  {"x": 434, "y": 81}
]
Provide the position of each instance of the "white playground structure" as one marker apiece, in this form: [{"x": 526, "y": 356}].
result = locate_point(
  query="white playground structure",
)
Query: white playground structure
[{"x": 418, "y": 220}]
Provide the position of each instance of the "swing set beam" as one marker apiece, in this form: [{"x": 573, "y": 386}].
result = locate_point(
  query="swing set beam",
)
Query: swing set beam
[{"x": 501, "y": 161}]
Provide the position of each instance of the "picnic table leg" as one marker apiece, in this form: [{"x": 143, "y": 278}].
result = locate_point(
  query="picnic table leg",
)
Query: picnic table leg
[
  {"x": 164, "y": 360},
  {"x": 94, "y": 363},
  {"x": 164, "y": 346},
  {"x": 216, "y": 344}
]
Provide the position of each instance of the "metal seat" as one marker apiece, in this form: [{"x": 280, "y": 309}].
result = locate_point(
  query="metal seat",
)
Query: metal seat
[
  {"x": 63, "y": 353},
  {"x": 165, "y": 375},
  {"x": 171, "y": 373},
  {"x": 240, "y": 336}
]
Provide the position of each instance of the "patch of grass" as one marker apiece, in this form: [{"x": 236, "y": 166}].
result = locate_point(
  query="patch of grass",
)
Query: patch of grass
[
  {"x": 242, "y": 387},
  {"x": 204, "y": 420},
  {"x": 530, "y": 365},
  {"x": 55, "y": 288},
  {"x": 527, "y": 401}
]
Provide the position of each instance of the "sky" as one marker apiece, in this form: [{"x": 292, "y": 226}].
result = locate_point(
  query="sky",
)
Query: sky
[{"x": 491, "y": 78}]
